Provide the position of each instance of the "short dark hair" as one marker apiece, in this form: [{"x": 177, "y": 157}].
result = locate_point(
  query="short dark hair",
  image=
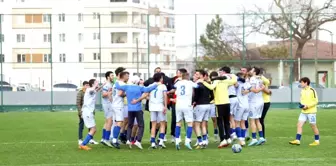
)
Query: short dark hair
[
  {"x": 85, "y": 83},
  {"x": 157, "y": 77},
  {"x": 91, "y": 82},
  {"x": 248, "y": 68},
  {"x": 226, "y": 69},
  {"x": 107, "y": 74},
  {"x": 157, "y": 68},
  {"x": 240, "y": 74},
  {"x": 122, "y": 74},
  {"x": 213, "y": 74},
  {"x": 305, "y": 80},
  {"x": 119, "y": 70},
  {"x": 185, "y": 75},
  {"x": 182, "y": 70},
  {"x": 202, "y": 72},
  {"x": 257, "y": 70}
]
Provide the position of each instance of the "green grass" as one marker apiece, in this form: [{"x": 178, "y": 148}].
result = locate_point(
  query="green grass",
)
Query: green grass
[{"x": 50, "y": 139}]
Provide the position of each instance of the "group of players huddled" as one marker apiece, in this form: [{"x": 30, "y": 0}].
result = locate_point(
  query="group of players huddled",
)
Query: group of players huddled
[{"x": 233, "y": 102}]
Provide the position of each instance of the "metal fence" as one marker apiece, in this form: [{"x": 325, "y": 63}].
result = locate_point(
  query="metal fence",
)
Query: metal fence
[{"x": 38, "y": 52}]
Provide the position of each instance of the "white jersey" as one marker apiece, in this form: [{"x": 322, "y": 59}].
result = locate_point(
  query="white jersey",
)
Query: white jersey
[
  {"x": 89, "y": 101},
  {"x": 184, "y": 92},
  {"x": 118, "y": 101},
  {"x": 231, "y": 89},
  {"x": 243, "y": 98},
  {"x": 256, "y": 97},
  {"x": 107, "y": 87},
  {"x": 156, "y": 98}
]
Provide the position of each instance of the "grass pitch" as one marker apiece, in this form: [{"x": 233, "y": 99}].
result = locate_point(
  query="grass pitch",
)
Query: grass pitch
[{"x": 50, "y": 139}]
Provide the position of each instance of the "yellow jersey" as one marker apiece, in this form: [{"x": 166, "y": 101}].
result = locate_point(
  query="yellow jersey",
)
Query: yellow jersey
[
  {"x": 309, "y": 98},
  {"x": 220, "y": 89},
  {"x": 266, "y": 82}
]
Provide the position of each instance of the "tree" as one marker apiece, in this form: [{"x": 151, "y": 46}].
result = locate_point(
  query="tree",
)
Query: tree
[
  {"x": 298, "y": 19},
  {"x": 220, "y": 43}
]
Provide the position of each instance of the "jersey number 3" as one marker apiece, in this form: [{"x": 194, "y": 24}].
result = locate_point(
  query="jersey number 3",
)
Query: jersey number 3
[{"x": 182, "y": 90}]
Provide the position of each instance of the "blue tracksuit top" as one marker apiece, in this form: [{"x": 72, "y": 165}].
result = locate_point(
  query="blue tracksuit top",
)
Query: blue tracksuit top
[{"x": 134, "y": 92}]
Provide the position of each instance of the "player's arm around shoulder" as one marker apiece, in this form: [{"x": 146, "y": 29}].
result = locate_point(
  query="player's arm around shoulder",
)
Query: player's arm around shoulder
[
  {"x": 265, "y": 81},
  {"x": 231, "y": 81},
  {"x": 210, "y": 86}
]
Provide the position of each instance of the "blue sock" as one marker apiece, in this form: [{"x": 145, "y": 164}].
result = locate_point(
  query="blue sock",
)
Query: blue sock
[
  {"x": 254, "y": 135},
  {"x": 199, "y": 139},
  {"x": 152, "y": 140},
  {"x": 116, "y": 131},
  {"x": 246, "y": 124},
  {"x": 216, "y": 131},
  {"x": 87, "y": 139},
  {"x": 177, "y": 131},
  {"x": 261, "y": 134},
  {"x": 243, "y": 133},
  {"x": 104, "y": 134},
  {"x": 238, "y": 132},
  {"x": 161, "y": 135},
  {"x": 108, "y": 134},
  {"x": 298, "y": 137},
  {"x": 189, "y": 131},
  {"x": 317, "y": 137},
  {"x": 205, "y": 137},
  {"x": 231, "y": 130}
]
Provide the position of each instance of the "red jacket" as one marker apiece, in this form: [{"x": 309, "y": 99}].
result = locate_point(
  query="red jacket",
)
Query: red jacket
[{"x": 174, "y": 81}]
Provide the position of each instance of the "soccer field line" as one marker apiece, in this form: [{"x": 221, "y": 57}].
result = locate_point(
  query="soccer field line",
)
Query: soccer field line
[
  {"x": 186, "y": 161},
  {"x": 75, "y": 141}
]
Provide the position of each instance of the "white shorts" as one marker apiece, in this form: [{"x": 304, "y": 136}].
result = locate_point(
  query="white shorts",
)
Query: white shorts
[
  {"x": 118, "y": 114},
  {"x": 242, "y": 113},
  {"x": 125, "y": 111},
  {"x": 233, "y": 105},
  {"x": 184, "y": 112},
  {"x": 89, "y": 119},
  {"x": 158, "y": 116},
  {"x": 256, "y": 110},
  {"x": 310, "y": 117},
  {"x": 201, "y": 112},
  {"x": 212, "y": 112},
  {"x": 108, "y": 113}
]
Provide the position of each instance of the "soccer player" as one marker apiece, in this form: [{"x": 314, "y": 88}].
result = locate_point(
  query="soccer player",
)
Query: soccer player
[
  {"x": 118, "y": 107},
  {"x": 184, "y": 93},
  {"x": 201, "y": 111},
  {"x": 220, "y": 88},
  {"x": 106, "y": 102},
  {"x": 225, "y": 71},
  {"x": 245, "y": 72},
  {"x": 88, "y": 112},
  {"x": 308, "y": 105},
  {"x": 242, "y": 113},
  {"x": 134, "y": 91},
  {"x": 158, "y": 109},
  {"x": 79, "y": 103},
  {"x": 256, "y": 103},
  {"x": 267, "y": 102}
]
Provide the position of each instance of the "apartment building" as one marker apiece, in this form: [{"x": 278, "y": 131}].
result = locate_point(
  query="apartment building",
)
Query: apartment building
[{"x": 82, "y": 39}]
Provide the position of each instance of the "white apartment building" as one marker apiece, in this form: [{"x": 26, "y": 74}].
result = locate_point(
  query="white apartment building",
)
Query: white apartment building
[{"x": 83, "y": 39}]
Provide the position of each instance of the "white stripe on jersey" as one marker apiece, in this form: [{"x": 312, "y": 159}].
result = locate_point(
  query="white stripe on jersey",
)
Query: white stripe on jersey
[
  {"x": 118, "y": 101},
  {"x": 184, "y": 92},
  {"x": 89, "y": 101},
  {"x": 156, "y": 98}
]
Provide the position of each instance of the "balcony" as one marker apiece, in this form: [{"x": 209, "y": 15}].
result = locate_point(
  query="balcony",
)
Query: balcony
[
  {"x": 119, "y": 17},
  {"x": 154, "y": 30},
  {"x": 118, "y": 0},
  {"x": 139, "y": 20},
  {"x": 153, "y": 10},
  {"x": 155, "y": 50},
  {"x": 119, "y": 37},
  {"x": 136, "y": 1}
]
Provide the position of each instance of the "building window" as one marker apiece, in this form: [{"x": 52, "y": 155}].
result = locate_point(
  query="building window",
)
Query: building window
[
  {"x": 47, "y": 38},
  {"x": 20, "y": 0},
  {"x": 62, "y": 37},
  {"x": 20, "y": 38},
  {"x": 173, "y": 41},
  {"x": 46, "y": 58},
  {"x": 135, "y": 58},
  {"x": 2, "y": 38},
  {"x": 136, "y": 1},
  {"x": 100, "y": 75},
  {"x": 96, "y": 36},
  {"x": 166, "y": 60},
  {"x": 46, "y": 18},
  {"x": 2, "y": 57},
  {"x": 61, "y": 17},
  {"x": 62, "y": 58},
  {"x": 143, "y": 58},
  {"x": 96, "y": 15},
  {"x": 80, "y": 57},
  {"x": 80, "y": 17},
  {"x": 21, "y": 58},
  {"x": 118, "y": 0},
  {"x": 96, "y": 56},
  {"x": 80, "y": 37}
]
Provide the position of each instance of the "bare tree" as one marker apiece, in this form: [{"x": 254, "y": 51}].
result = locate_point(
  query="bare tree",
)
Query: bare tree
[{"x": 298, "y": 19}]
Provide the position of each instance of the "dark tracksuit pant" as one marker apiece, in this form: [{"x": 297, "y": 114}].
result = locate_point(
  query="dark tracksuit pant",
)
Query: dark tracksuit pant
[
  {"x": 223, "y": 121},
  {"x": 263, "y": 115},
  {"x": 141, "y": 124}
]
